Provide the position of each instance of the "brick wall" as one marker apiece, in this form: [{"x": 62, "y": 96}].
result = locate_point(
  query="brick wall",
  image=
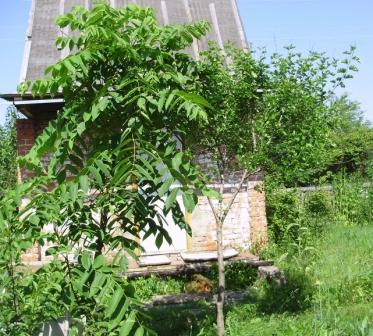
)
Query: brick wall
[
  {"x": 25, "y": 135},
  {"x": 27, "y": 131}
]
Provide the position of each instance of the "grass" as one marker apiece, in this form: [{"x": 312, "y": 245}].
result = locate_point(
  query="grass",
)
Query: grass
[
  {"x": 247, "y": 321},
  {"x": 331, "y": 295},
  {"x": 345, "y": 267}
]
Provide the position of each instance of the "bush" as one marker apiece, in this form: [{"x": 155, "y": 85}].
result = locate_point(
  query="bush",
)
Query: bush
[
  {"x": 147, "y": 288},
  {"x": 318, "y": 203},
  {"x": 294, "y": 296},
  {"x": 283, "y": 209},
  {"x": 8, "y": 152},
  {"x": 238, "y": 275},
  {"x": 353, "y": 200}
]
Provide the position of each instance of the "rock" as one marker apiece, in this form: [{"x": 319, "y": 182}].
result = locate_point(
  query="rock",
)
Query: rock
[{"x": 272, "y": 274}]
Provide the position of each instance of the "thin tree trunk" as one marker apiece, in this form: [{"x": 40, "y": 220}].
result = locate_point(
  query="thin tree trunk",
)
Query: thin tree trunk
[
  {"x": 221, "y": 268},
  {"x": 220, "y": 215},
  {"x": 221, "y": 289}
]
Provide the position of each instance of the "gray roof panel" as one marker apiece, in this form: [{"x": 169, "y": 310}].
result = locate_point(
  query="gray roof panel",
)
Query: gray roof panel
[{"x": 40, "y": 50}]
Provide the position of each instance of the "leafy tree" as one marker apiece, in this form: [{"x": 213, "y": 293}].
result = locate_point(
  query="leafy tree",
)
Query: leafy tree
[
  {"x": 114, "y": 170},
  {"x": 352, "y": 149},
  {"x": 296, "y": 116},
  {"x": 269, "y": 113},
  {"x": 276, "y": 112},
  {"x": 8, "y": 152}
]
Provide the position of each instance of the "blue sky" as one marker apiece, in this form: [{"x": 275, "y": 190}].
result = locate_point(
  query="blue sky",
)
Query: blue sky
[{"x": 320, "y": 25}]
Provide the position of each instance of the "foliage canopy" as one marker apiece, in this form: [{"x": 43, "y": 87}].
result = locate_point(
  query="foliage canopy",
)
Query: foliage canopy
[{"x": 271, "y": 112}]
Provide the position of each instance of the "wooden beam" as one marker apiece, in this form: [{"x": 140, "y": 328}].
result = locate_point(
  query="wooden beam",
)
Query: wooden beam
[
  {"x": 182, "y": 299},
  {"x": 188, "y": 268}
]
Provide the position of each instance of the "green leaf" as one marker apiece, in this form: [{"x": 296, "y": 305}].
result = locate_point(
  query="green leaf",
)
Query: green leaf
[
  {"x": 81, "y": 128},
  {"x": 211, "y": 193},
  {"x": 170, "y": 99},
  {"x": 95, "y": 112},
  {"x": 170, "y": 148},
  {"x": 140, "y": 331},
  {"x": 86, "y": 260},
  {"x": 84, "y": 183},
  {"x": 162, "y": 100},
  {"x": 34, "y": 219},
  {"x": 87, "y": 116},
  {"x": 103, "y": 167},
  {"x": 128, "y": 324},
  {"x": 123, "y": 310},
  {"x": 96, "y": 175},
  {"x": 99, "y": 262},
  {"x": 141, "y": 103},
  {"x": 176, "y": 161},
  {"x": 103, "y": 103},
  {"x": 97, "y": 284},
  {"x": 114, "y": 302},
  {"x": 171, "y": 199},
  {"x": 199, "y": 100},
  {"x": 51, "y": 251},
  {"x": 165, "y": 186},
  {"x": 159, "y": 240},
  {"x": 73, "y": 191},
  {"x": 190, "y": 201}
]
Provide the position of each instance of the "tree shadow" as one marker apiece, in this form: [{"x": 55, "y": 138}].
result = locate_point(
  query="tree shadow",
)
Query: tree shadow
[
  {"x": 292, "y": 296},
  {"x": 55, "y": 328},
  {"x": 179, "y": 320},
  {"x": 269, "y": 297}
]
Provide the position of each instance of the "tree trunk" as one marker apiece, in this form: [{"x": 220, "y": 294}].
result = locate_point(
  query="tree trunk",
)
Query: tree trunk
[
  {"x": 221, "y": 271},
  {"x": 220, "y": 215}
]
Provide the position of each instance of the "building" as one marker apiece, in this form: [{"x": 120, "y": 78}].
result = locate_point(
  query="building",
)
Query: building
[{"x": 246, "y": 223}]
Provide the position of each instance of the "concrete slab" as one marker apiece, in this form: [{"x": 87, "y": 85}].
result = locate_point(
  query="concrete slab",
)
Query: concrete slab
[
  {"x": 207, "y": 256},
  {"x": 155, "y": 260}
]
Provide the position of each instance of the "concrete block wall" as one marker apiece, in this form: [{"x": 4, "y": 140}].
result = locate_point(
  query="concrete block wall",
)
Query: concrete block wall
[
  {"x": 245, "y": 225},
  {"x": 258, "y": 216}
]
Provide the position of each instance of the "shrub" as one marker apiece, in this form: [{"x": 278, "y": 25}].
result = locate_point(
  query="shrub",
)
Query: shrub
[
  {"x": 294, "y": 296},
  {"x": 146, "y": 288},
  {"x": 353, "y": 200},
  {"x": 238, "y": 275}
]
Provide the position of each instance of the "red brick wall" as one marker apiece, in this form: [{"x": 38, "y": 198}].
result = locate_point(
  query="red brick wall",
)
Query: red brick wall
[
  {"x": 25, "y": 135},
  {"x": 27, "y": 131}
]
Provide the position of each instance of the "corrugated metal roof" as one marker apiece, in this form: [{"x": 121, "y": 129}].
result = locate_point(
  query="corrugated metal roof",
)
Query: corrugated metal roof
[{"x": 40, "y": 49}]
